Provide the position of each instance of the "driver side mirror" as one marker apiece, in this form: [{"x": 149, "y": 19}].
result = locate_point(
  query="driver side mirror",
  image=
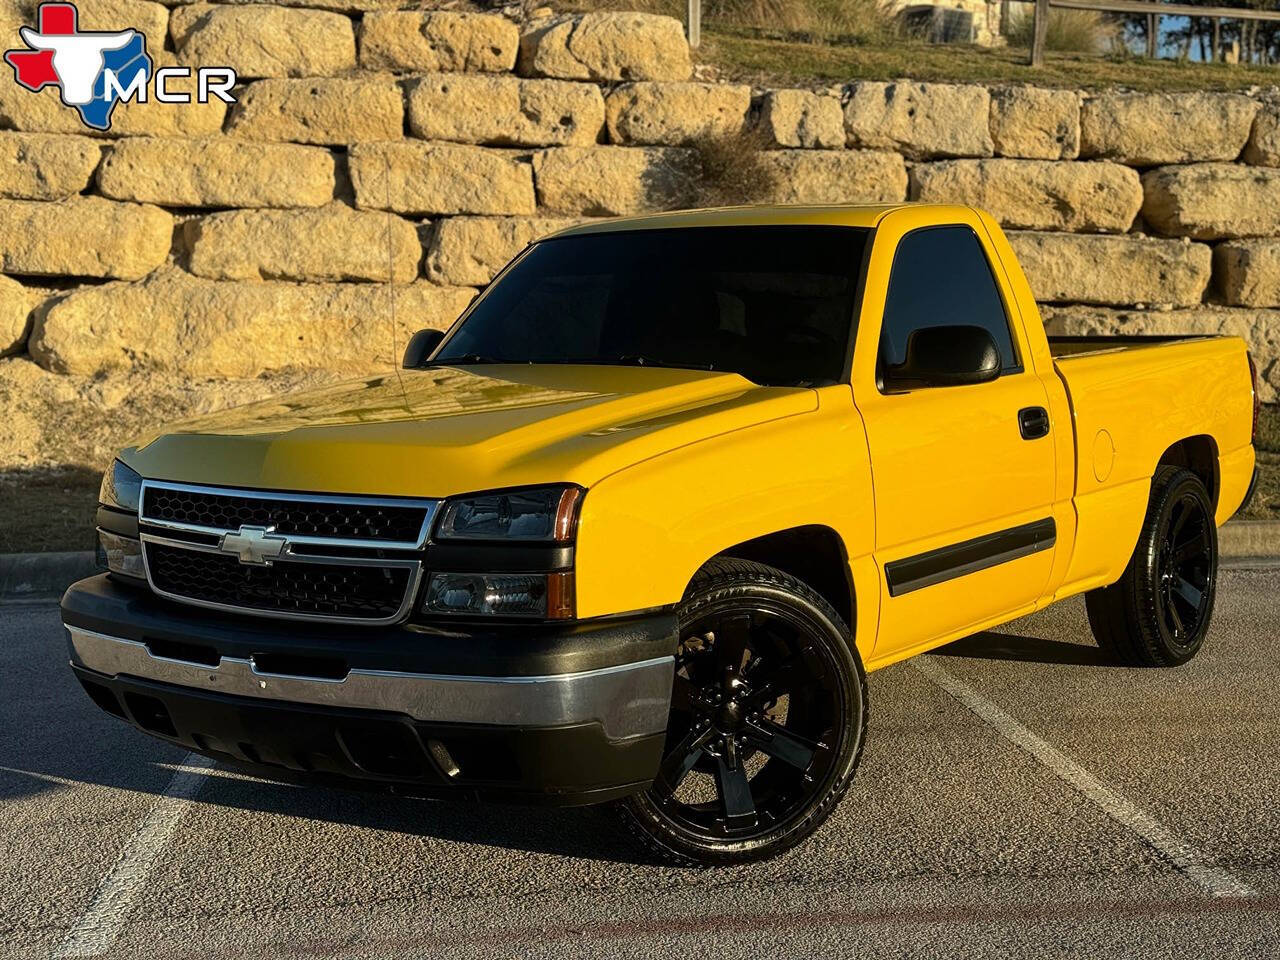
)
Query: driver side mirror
[
  {"x": 945, "y": 357},
  {"x": 421, "y": 345}
]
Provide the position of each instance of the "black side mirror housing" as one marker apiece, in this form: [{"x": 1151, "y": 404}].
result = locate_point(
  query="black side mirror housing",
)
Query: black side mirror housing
[
  {"x": 945, "y": 356},
  {"x": 421, "y": 345}
]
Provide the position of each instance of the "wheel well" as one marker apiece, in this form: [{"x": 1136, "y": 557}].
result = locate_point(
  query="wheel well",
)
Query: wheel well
[
  {"x": 814, "y": 554},
  {"x": 1198, "y": 454}
]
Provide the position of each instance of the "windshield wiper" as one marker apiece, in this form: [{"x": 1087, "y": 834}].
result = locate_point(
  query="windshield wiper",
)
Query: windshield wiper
[
  {"x": 641, "y": 360},
  {"x": 466, "y": 359},
  {"x": 626, "y": 360}
]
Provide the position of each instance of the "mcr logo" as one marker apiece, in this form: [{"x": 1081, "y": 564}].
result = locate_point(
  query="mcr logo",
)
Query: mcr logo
[
  {"x": 96, "y": 70},
  {"x": 254, "y": 545}
]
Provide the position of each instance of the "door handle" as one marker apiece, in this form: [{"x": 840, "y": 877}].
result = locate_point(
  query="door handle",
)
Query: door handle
[{"x": 1033, "y": 423}]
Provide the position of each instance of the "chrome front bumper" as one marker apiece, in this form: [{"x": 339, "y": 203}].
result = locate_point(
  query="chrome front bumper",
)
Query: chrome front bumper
[{"x": 628, "y": 700}]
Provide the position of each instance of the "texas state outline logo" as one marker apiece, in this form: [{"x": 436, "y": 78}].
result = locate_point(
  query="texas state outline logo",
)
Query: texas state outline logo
[{"x": 94, "y": 70}]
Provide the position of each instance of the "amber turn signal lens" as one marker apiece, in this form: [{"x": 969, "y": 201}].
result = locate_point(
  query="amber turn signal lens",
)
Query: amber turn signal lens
[
  {"x": 561, "y": 603},
  {"x": 566, "y": 523}
]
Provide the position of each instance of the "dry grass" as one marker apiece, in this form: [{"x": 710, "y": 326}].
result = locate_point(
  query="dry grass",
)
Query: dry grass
[
  {"x": 745, "y": 56},
  {"x": 731, "y": 170},
  {"x": 814, "y": 21},
  {"x": 1070, "y": 31},
  {"x": 803, "y": 21},
  {"x": 47, "y": 509},
  {"x": 800, "y": 42}
]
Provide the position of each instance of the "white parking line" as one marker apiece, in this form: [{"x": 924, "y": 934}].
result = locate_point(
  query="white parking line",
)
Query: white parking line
[
  {"x": 1216, "y": 881},
  {"x": 96, "y": 931}
]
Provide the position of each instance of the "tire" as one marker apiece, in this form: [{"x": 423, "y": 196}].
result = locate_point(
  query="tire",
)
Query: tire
[
  {"x": 1157, "y": 614},
  {"x": 767, "y": 722}
]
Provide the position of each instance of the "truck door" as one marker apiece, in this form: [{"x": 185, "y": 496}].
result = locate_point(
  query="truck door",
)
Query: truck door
[{"x": 963, "y": 476}]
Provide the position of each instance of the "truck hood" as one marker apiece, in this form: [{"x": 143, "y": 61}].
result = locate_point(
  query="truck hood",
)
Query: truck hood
[{"x": 449, "y": 430}]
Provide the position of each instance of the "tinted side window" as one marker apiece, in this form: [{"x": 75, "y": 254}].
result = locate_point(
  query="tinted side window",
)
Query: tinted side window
[{"x": 941, "y": 277}]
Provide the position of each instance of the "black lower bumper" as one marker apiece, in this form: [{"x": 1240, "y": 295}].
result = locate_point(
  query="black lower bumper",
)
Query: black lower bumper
[
  {"x": 565, "y": 765},
  {"x": 538, "y": 709}
]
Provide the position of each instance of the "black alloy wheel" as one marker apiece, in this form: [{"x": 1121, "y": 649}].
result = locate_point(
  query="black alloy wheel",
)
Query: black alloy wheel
[
  {"x": 1184, "y": 568},
  {"x": 1158, "y": 613},
  {"x": 767, "y": 719}
]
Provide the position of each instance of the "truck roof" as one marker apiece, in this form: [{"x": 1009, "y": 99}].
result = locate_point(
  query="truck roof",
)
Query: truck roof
[{"x": 849, "y": 215}]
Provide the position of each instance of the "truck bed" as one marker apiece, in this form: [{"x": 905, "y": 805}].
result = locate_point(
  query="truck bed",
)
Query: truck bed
[{"x": 1131, "y": 399}]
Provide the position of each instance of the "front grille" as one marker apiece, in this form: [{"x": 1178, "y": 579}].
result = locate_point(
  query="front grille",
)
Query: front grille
[
  {"x": 286, "y": 588},
  {"x": 354, "y": 559},
  {"x": 297, "y": 516}
]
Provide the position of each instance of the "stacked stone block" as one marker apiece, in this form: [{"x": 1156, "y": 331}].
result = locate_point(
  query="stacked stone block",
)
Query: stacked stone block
[{"x": 384, "y": 164}]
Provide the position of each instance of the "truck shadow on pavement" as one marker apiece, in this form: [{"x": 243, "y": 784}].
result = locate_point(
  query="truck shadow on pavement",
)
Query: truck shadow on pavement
[
  {"x": 54, "y": 742},
  {"x": 580, "y": 832},
  {"x": 1007, "y": 646}
]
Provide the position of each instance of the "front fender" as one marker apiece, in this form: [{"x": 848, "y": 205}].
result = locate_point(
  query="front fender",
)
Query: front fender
[{"x": 645, "y": 530}]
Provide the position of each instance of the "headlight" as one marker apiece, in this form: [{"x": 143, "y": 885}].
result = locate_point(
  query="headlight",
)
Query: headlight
[
  {"x": 120, "y": 555},
  {"x": 545, "y": 595},
  {"x": 531, "y": 515},
  {"x": 121, "y": 488}
]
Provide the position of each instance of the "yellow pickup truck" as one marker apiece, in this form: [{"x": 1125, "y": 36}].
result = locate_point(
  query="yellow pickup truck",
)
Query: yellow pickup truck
[{"x": 635, "y": 527}]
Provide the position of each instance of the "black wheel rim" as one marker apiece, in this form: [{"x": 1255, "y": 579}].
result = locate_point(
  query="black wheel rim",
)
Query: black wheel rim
[
  {"x": 1184, "y": 569},
  {"x": 756, "y": 714}
]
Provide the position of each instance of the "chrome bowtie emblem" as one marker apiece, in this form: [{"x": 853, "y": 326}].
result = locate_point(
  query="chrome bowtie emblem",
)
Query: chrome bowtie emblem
[{"x": 255, "y": 545}]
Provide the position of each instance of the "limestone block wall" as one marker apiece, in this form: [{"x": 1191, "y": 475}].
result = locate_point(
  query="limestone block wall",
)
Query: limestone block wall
[{"x": 380, "y": 165}]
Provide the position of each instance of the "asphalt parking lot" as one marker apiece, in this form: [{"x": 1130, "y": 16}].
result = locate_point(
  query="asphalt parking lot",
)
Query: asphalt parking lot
[{"x": 1019, "y": 796}]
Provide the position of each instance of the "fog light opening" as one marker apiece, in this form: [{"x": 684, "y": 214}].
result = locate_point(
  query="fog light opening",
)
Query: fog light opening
[{"x": 121, "y": 555}]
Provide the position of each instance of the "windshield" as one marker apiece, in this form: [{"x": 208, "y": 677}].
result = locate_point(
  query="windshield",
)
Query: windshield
[{"x": 772, "y": 303}]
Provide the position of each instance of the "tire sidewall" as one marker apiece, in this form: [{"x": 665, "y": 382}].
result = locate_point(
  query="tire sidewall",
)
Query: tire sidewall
[
  {"x": 1171, "y": 650},
  {"x": 833, "y": 644}
]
